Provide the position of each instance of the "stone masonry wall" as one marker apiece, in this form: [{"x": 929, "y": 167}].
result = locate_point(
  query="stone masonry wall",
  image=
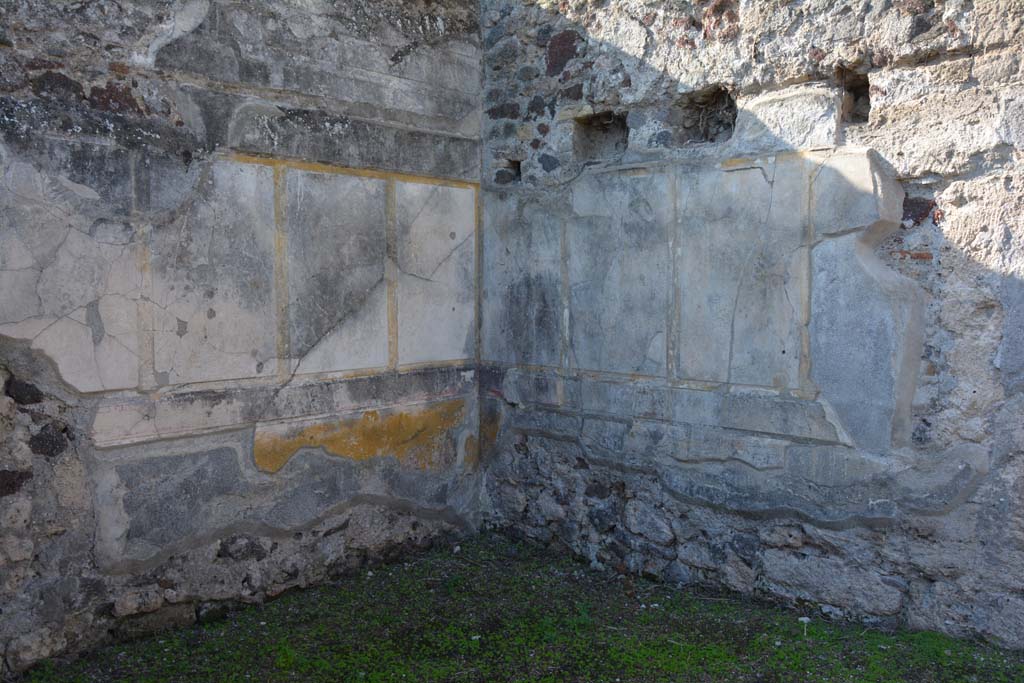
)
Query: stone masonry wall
[
  {"x": 744, "y": 306},
  {"x": 752, "y": 297},
  {"x": 237, "y": 302}
]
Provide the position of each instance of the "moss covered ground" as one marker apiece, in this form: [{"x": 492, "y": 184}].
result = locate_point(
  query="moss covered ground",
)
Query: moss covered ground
[{"x": 498, "y": 610}]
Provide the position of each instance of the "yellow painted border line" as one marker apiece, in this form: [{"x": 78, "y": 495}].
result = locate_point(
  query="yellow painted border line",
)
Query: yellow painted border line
[
  {"x": 478, "y": 277},
  {"x": 281, "y": 273},
  {"x": 317, "y": 167},
  {"x": 391, "y": 270},
  {"x": 467, "y": 363}
]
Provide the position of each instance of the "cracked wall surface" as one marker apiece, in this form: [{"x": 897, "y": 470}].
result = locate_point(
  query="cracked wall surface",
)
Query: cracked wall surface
[
  {"x": 722, "y": 291},
  {"x": 751, "y": 294},
  {"x": 238, "y": 329}
]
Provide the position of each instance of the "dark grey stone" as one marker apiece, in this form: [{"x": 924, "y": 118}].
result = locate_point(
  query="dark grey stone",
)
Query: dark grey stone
[
  {"x": 50, "y": 441},
  {"x": 168, "y": 499}
]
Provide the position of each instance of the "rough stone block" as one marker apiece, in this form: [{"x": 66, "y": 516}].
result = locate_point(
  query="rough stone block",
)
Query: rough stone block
[
  {"x": 803, "y": 117},
  {"x": 850, "y": 190},
  {"x": 642, "y": 518},
  {"x": 436, "y": 257},
  {"x": 833, "y": 581}
]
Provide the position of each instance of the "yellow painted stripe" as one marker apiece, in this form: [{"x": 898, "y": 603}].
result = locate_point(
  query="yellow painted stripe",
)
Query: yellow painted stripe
[{"x": 317, "y": 167}]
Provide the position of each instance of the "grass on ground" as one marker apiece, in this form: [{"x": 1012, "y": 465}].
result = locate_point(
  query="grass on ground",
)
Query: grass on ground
[{"x": 503, "y": 611}]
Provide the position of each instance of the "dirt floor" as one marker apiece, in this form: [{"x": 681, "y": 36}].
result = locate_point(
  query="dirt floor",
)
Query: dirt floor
[{"x": 497, "y": 610}]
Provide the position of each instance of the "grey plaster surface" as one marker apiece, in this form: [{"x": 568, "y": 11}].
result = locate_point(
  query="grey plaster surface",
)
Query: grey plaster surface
[
  {"x": 522, "y": 290},
  {"x": 213, "y": 298},
  {"x": 337, "y": 306},
  {"x": 436, "y": 257},
  {"x": 618, "y": 239},
  {"x": 742, "y": 273}
]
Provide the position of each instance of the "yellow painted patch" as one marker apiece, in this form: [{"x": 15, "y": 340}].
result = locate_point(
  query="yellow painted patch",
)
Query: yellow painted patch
[
  {"x": 489, "y": 426},
  {"x": 414, "y": 438},
  {"x": 738, "y": 162},
  {"x": 479, "y": 446},
  {"x": 471, "y": 460}
]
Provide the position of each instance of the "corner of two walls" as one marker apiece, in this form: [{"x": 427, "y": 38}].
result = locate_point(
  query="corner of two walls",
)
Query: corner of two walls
[
  {"x": 239, "y": 322},
  {"x": 265, "y": 325}
]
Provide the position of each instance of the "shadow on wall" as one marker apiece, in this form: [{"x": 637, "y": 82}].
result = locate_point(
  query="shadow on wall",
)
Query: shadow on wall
[{"x": 698, "y": 359}]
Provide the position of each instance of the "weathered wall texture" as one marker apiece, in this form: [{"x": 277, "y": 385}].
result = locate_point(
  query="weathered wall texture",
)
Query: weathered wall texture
[
  {"x": 238, "y": 304},
  {"x": 752, "y": 296},
  {"x": 750, "y": 307}
]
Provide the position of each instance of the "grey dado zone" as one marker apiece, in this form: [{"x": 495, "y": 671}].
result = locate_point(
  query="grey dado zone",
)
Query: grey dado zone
[{"x": 720, "y": 292}]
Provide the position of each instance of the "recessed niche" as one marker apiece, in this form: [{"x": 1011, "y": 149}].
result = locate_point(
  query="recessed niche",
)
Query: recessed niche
[
  {"x": 856, "y": 95},
  {"x": 509, "y": 171},
  {"x": 600, "y": 136},
  {"x": 707, "y": 115}
]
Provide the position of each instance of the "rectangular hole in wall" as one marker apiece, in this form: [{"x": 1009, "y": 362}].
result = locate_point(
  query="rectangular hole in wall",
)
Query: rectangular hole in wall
[
  {"x": 856, "y": 95},
  {"x": 600, "y": 136},
  {"x": 707, "y": 115},
  {"x": 509, "y": 171}
]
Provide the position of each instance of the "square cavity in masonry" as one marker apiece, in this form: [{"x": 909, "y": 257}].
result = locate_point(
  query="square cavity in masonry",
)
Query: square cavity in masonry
[
  {"x": 600, "y": 136},
  {"x": 509, "y": 171},
  {"x": 707, "y": 115},
  {"x": 856, "y": 95}
]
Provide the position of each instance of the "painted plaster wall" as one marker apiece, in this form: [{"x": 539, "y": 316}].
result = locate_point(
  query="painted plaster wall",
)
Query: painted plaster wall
[
  {"x": 748, "y": 315},
  {"x": 767, "y": 345},
  {"x": 238, "y": 329}
]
